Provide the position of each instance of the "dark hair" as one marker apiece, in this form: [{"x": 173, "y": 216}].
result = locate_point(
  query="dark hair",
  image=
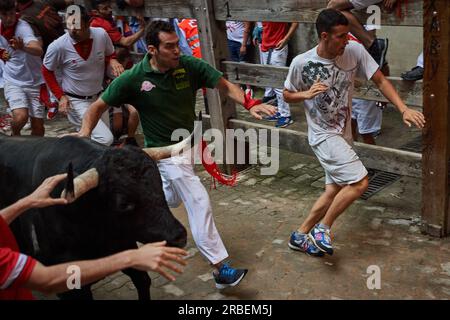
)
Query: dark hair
[
  {"x": 7, "y": 5},
  {"x": 96, "y": 3},
  {"x": 154, "y": 29},
  {"x": 84, "y": 16},
  {"x": 329, "y": 18}
]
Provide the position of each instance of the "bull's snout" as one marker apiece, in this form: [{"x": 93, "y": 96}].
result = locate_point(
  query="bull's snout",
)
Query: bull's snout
[{"x": 180, "y": 238}]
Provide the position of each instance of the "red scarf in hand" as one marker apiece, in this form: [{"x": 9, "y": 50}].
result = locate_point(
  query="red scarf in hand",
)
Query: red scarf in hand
[{"x": 211, "y": 167}]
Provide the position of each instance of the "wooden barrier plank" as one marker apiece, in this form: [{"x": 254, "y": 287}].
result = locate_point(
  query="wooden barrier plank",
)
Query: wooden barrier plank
[
  {"x": 213, "y": 37},
  {"x": 436, "y": 153},
  {"x": 256, "y": 10},
  {"x": 156, "y": 8},
  {"x": 303, "y": 11},
  {"x": 387, "y": 159},
  {"x": 273, "y": 76}
]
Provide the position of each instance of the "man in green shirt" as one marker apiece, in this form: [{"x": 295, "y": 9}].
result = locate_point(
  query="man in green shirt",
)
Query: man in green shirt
[{"x": 163, "y": 87}]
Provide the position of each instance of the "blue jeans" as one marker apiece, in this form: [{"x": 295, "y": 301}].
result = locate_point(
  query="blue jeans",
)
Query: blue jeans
[{"x": 234, "y": 47}]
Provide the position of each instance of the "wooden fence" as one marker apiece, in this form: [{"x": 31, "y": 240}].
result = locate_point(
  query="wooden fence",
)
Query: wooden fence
[{"x": 433, "y": 15}]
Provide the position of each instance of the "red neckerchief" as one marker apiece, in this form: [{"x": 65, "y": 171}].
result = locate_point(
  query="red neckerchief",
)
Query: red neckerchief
[
  {"x": 8, "y": 32},
  {"x": 84, "y": 48},
  {"x": 22, "y": 6}
]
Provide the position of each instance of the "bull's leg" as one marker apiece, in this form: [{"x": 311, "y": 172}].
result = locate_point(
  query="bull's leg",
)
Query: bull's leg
[
  {"x": 84, "y": 293},
  {"x": 141, "y": 281}
]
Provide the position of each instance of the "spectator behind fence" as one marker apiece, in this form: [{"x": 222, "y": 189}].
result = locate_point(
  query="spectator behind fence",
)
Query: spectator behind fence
[
  {"x": 375, "y": 46},
  {"x": 274, "y": 51}
]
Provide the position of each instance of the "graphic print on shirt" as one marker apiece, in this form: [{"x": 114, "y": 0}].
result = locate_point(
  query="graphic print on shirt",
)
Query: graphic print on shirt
[{"x": 330, "y": 109}]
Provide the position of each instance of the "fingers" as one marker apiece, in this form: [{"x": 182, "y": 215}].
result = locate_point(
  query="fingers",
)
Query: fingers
[
  {"x": 158, "y": 244},
  {"x": 255, "y": 114},
  {"x": 165, "y": 274},
  {"x": 53, "y": 181},
  {"x": 171, "y": 266},
  {"x": 414, "y": 117},
  {"x": 59, "y": 201}
]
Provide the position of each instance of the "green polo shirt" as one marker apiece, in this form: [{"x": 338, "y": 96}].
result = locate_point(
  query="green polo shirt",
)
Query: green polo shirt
[{"x": 165, "y": 101}]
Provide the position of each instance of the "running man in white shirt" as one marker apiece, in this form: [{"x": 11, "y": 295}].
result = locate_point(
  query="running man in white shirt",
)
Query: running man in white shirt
[
  {"x": 81, "y": 55},
  {"x": 21, "y": 51},
  {"x": 323, "y": 78}
]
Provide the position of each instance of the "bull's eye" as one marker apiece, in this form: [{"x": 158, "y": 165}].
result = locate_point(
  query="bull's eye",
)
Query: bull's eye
[{"x": 123, "y": 204}]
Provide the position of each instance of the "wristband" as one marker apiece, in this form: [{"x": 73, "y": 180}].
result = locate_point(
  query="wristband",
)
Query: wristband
[{"x": 250, "y": 102}]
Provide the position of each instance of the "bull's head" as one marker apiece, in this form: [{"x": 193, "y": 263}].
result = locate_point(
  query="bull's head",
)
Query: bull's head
[{"x": 130, "y": 185}]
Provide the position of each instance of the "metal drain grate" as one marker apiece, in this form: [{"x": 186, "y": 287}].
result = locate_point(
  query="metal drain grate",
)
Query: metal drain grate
[
  {"x": 415, "y": 145},
  {"x": 378, "y": 180}
]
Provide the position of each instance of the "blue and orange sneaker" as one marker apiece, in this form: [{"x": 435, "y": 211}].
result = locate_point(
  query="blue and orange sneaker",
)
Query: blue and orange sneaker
[
  {"x": 320, "y": 236},
  {"x": 283, "y": 122},
  {"x": 228, "y": 276},
  {"x": 275, "y": 117},
  {"x": 300, "y": 242}
]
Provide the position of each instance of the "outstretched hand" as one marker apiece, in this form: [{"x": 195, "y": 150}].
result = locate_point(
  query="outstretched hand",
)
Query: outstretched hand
[
  {"x": 157, "y": 257},
  {"x": 413, "y": 117},
  {"x": 267, "y": 109},
  {"x": 40, "y": 198}
]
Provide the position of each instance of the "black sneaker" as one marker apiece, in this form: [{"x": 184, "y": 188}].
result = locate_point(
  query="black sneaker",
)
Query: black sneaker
[
  {"x": 228, "y": 276},
  {"x": 378, "y": 51},
  {"x": 414, "y": 74}
]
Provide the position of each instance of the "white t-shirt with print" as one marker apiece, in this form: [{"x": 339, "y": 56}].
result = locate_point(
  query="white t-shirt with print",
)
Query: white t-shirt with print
[
  {"x": 79, "y": 76},
  {"x": 22, "y": 69},
  {"x": 329, "y": 113}
]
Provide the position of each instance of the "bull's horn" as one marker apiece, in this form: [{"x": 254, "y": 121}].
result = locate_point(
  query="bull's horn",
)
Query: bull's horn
[
  {"x": 174, "y": 149},
  {"x": 82, "y": 184}
]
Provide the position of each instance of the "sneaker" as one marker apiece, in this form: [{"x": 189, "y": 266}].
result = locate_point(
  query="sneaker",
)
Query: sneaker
[
  {"x": 283, "y": 122},
  {"x": 320, "y": 236},
  {"x": 27, "y": 126},
  {"x": 51, "y": 113},
  {"x": 228, "y": 276},
  {"x": 301, "y": 242},
  {"x": 414, "y": 74},
  {"x": 378, "y": 50},
  {"x": 273, "y": 118}
]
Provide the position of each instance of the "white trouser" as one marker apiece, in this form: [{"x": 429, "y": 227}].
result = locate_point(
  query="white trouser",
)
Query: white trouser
[
  {"x": 101, "y": 133},
  {"x": 277, "y": 58},
  {"x": 181, "y": 184},
  {"x": 420, "y": 60}
]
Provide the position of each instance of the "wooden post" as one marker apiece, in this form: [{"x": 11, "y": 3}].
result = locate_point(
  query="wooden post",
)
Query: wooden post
[
  {"x": 213, "y": 40},
  {"x": 436, "y": 106}
]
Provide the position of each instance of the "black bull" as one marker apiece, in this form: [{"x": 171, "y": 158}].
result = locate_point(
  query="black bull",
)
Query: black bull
[{"x": 127, "y": 206}]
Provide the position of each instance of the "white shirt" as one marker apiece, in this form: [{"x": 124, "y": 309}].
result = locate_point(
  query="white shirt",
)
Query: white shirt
[
  {"x": 329, "y": 113},
  {"x": 79, "y": 76},
  {"x": 22, "y": 69},
  {"x": 235, "y": 31}
]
